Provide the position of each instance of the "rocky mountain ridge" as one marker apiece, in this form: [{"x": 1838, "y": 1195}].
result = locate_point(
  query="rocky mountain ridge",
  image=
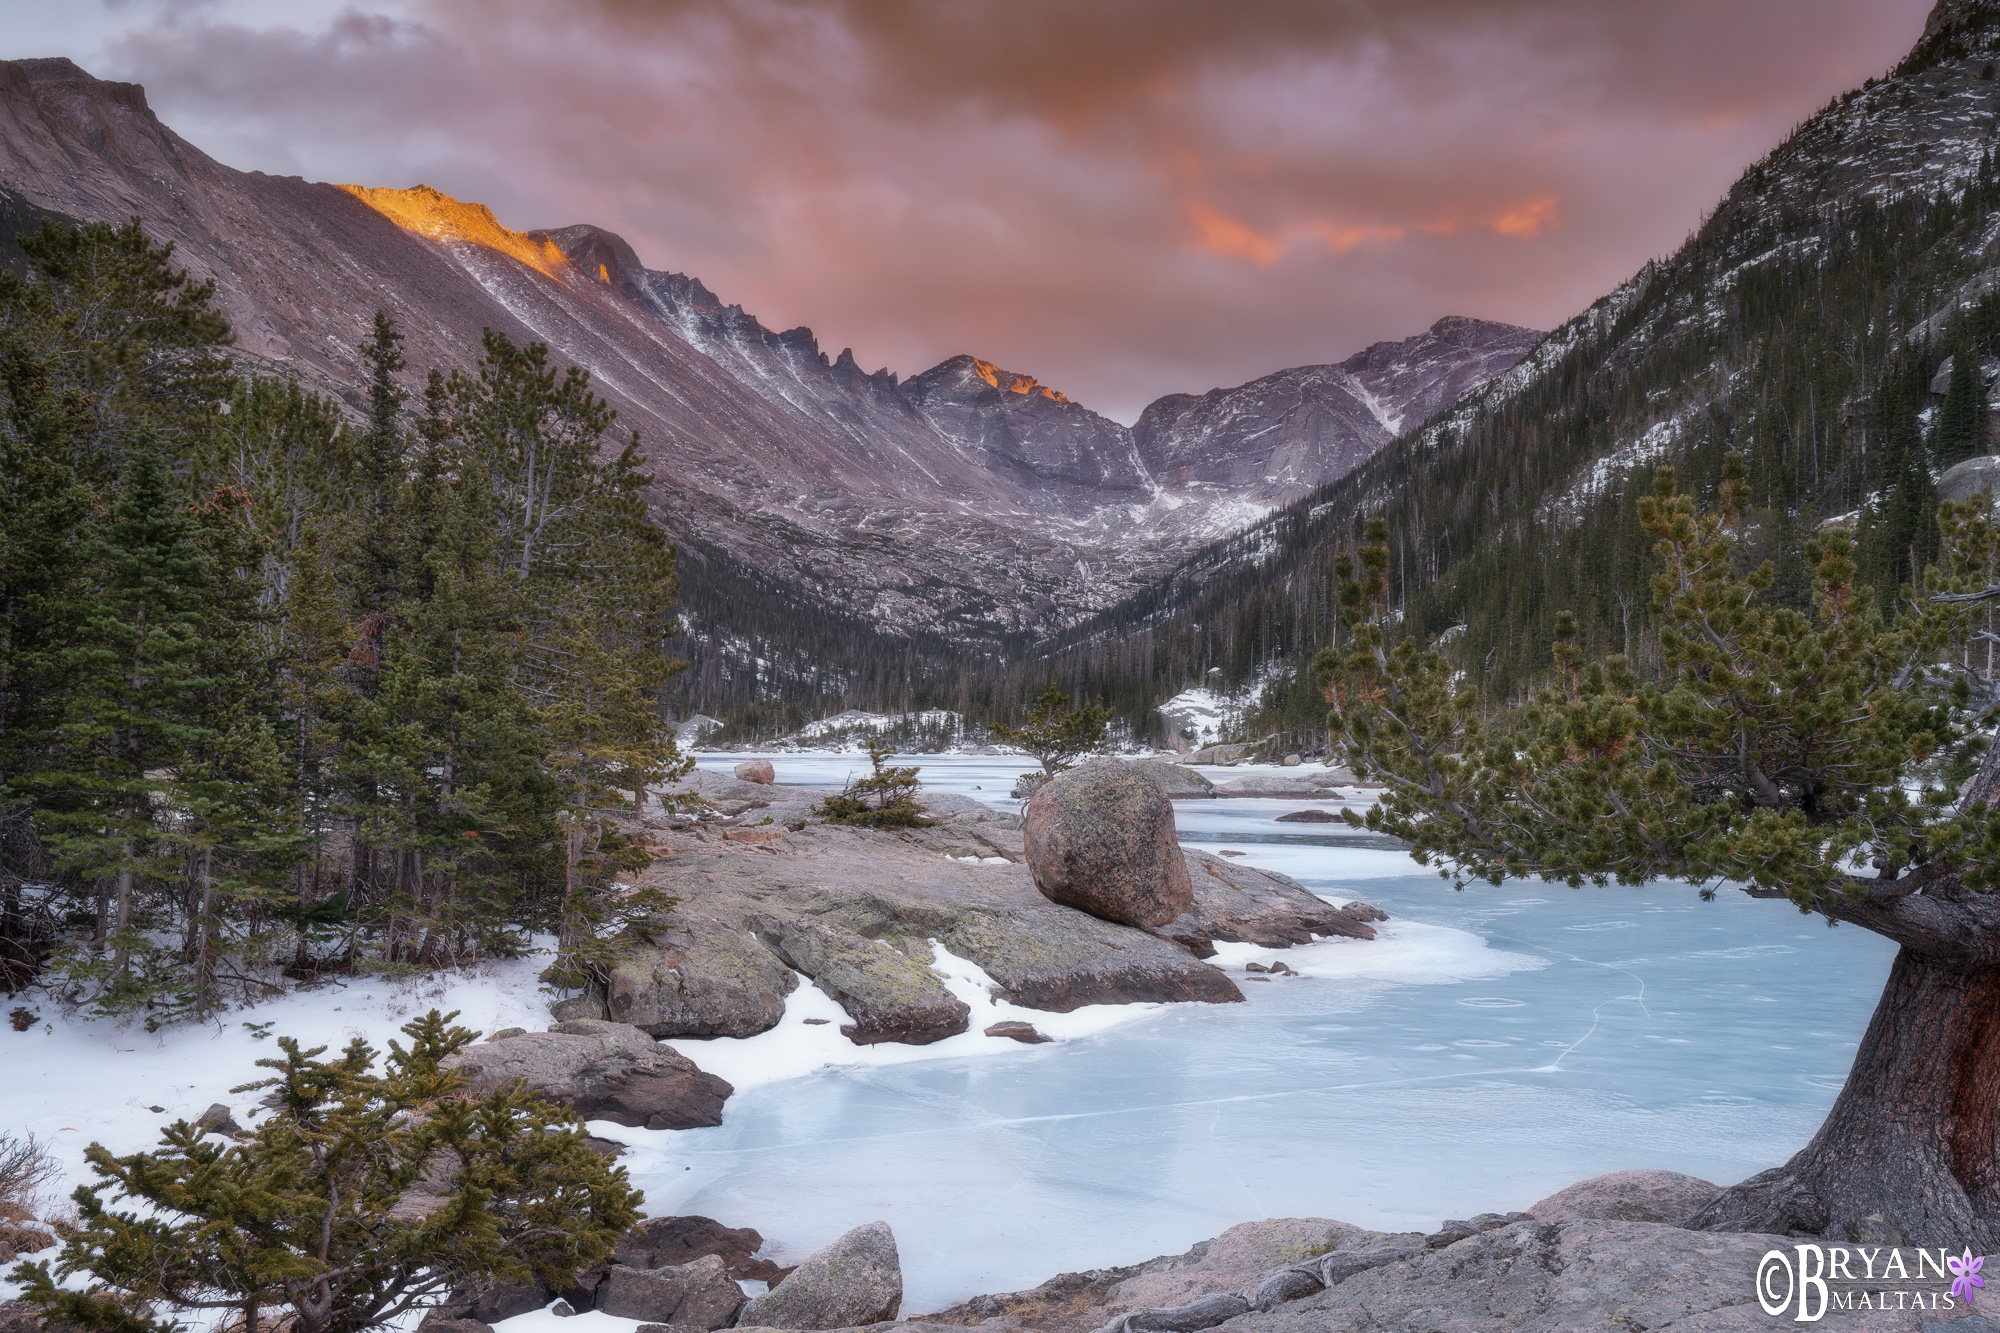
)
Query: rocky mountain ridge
[
  {"x": 966, "y": 501},
  {"x": 1843, "y": 265}
]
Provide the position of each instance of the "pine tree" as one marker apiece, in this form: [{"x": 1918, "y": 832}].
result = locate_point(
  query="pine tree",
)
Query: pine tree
[
  {"x": 316, "y": 1221},
  {"x": 130, "y": 679},
  {"x": 1056, "y": 734},
  {"x": 1782, "y": 751},
  {"x": 1961, "y": 424}
]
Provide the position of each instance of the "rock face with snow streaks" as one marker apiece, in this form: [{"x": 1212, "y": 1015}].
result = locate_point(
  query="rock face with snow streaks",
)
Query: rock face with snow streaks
[
  {"x": 1277, "y": 437},
  {"x": 967, "y": 499}
]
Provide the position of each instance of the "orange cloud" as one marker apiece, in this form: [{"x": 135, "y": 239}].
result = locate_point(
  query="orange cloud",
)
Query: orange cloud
[
  {"x": 1220, "y": 235},
  {"x": 1527, "y": 221}
]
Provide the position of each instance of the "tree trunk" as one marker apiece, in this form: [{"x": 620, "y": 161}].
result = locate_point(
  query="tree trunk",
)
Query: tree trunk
[
  {"x": 1910, "y": 1153},
  {"x": 204, "y": 959},
  {"x": 121, "y": 943}
]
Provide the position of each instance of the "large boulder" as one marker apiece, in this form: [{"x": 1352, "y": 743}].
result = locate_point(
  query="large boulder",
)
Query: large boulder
[
  {"x": 889, "y": 995},
  {"x": 856, "y": 1280},
  {"x": 758, "y": 771},
  {"x": 1961, "y": 481},
  {"x": 699, "y": 978},
  {"x": 1101, "y": 839},
  {"x": 667, "y": 1242},
  {"x": 602, "y": 1071},
  {"x": 1629, "y": 1196},
  {"x": 1177, "y": 781},
  {"x": 698, "y": 1295}
]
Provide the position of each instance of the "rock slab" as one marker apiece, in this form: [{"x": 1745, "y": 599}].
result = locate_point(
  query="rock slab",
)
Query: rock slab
[
  {"x": 601, "y": 1071},
  {"x": 1629, "y": 1196},
  {"x": 889, "y": 995},
  {"x": 1101, "y": 839},
  {"x": 854, "y": 1281}
]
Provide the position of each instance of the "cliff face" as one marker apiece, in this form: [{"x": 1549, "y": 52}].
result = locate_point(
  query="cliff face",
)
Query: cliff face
[
  {"x": 967, "y": 500},
  {"x": 1277, "y": 437}
]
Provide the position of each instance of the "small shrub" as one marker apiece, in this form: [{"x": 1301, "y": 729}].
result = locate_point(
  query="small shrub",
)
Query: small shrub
[{"x": 885, "y": 798}]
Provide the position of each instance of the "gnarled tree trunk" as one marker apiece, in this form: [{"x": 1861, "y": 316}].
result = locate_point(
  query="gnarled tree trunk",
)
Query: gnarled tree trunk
[{"x": 1910, "y": 1153}]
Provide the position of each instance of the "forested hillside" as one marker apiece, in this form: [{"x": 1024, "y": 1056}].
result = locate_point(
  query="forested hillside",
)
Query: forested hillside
[
  {"x": 279, "y": 692},
  {"x": 1803, "y": 325}
]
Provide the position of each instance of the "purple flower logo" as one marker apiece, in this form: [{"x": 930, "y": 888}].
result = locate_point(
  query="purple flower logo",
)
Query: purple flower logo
[{"x": 1966, "y": 1273}]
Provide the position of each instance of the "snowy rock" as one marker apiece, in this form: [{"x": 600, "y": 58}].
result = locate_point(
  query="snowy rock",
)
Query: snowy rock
[
  {"x": 1629, "y": 1196},
  {"x": 1101, "y": 839},
  {"x": 856, "y": 1280},
  {"x": 890, "y": 996},
  {"x": 1225, "y": 755},
  {"x": 756, "y": 770},
  {"x": 698, "y": 1295},
  {"x": 602, "y": 1071}
]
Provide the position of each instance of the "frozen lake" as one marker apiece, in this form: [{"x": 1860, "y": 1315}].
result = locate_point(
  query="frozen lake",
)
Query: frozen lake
[{"x": 1493, "y": 1046}]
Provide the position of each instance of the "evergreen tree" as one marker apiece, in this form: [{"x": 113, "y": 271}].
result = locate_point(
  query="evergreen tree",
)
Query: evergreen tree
[
  {"x": 1055, "y": 734},
  {"x": 316, "y": 1222},
  {"x": 1961, "y": 424},
  {"x": 1783, "y": 751},
  {"x": 130, "y": 678}
]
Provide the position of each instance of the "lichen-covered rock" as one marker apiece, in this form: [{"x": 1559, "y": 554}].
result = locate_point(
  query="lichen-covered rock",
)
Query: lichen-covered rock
[
  {"x": 856, "y": 1280},
  {"x": 699, "y": 977},
  {"x": 1101, "y": 839},
  {"x": 602, "y": 1071},
  {"x": 758, "y": 771},
  {"x": 698, "y": 1295},
  {"x": 1177, "y": 781},
  {"x": 1629, "y": 1196},
  {"x": 889, "y": 995}
]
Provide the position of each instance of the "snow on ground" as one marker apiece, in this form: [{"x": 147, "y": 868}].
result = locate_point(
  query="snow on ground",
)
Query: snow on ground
[{"x": 798, "y": 1046}]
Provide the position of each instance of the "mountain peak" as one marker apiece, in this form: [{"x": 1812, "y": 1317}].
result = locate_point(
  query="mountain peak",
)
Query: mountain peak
[
  {"x": 437, "y": 216},
  {"x": 1006, "y": 381}
]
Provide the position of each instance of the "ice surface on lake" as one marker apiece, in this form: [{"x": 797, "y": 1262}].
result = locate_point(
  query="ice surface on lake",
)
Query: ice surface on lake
[{"x": 1494, "y": 1046}]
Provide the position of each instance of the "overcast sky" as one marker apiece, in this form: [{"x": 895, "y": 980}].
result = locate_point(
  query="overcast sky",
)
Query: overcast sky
[{"x": 1122, "y": 197}]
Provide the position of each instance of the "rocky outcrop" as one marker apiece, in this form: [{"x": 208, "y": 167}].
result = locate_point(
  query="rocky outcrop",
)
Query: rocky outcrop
[
  {"x": 601, "y": 1071},
  {"x": 948, "y": 884},
  {"x": 698, "y": 1295},
  {"x": 1629, "y": 1196},
  {"x": 1244, "y": 905},
  {"x": 699, "y": 977},
  {"x": 890, "y": 996},
  {"x": 1962, "y": 481},
  {"x": 856, "y": 1280},
  {"x": 1101, "y": 839}
]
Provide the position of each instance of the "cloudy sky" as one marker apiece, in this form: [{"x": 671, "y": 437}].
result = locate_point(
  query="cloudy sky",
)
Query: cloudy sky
[{"x": 1122, "y": 197}]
